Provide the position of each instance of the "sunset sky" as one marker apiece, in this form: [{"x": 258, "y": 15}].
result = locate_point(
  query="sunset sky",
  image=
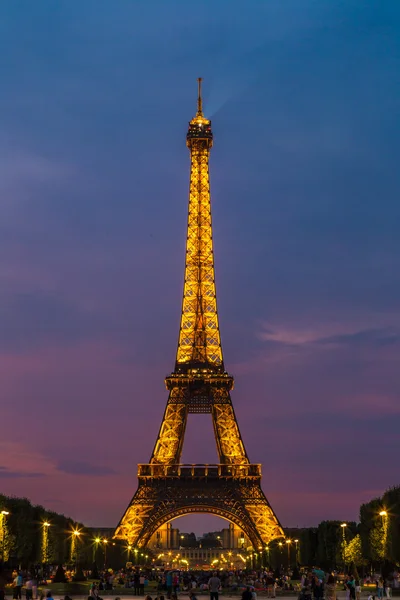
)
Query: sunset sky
[{"x": 304, "y": 101}]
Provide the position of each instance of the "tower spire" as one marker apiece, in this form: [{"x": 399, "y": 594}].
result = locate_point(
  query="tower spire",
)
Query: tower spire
[
  {"x": 199, "y": 338},
  {"x": 199, "y": 98}
]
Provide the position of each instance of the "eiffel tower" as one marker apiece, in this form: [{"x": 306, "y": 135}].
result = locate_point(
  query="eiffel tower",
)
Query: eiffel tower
[{"x": 199, "y": 384}]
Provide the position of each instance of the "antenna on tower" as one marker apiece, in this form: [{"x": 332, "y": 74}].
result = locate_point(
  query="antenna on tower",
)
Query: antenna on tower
[{"x": 199, "y": 100}]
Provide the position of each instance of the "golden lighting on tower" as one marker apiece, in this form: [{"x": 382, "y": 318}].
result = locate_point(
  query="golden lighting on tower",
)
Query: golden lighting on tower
[
  {"x": 199, "y": 384},
  {"x": 199, "y": 339}
]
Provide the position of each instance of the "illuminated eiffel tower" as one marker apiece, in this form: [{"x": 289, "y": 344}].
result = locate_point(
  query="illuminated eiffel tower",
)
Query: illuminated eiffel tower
[{"x": 199, "y": 384}]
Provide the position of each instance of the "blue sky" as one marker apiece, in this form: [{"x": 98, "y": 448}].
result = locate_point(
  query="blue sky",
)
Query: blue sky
[{"x": 304, "y": 100}]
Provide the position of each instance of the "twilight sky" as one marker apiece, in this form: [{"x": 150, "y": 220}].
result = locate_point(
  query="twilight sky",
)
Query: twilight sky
[{"x": 304, "y": 98}]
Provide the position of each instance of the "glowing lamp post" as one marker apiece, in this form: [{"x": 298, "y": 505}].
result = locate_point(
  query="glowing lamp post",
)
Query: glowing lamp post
[
  {"x": 105, "y": 542},
  {"x": 288, "y": 542},
  {"x": 96, "y": 543},
  {"x": 3, "y": 527},
  {"x": 267, "y": 551},
  {"x": 385, "y": 526},
  {"x": 74, "y": 547},
  {"x": 343, "y": 526},
  {"x": 45, "y": 542},
  {"x": 297, "y": 555}
]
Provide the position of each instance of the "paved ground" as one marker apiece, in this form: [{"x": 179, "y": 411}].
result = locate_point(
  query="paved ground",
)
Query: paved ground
[{"x": 341, "y": 595}]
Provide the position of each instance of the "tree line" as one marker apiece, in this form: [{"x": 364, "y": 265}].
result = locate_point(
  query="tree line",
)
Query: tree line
[{"x": 370, "y": 544}]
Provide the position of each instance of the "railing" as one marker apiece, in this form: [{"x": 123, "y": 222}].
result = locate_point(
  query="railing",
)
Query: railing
[{"x": 184, "y": 471}]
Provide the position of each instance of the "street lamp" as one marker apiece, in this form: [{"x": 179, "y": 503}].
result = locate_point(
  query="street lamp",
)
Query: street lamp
[
  {"x": 288, "y": 542},
  {"x": 105, "y": 542},
  {"x": 96, "y": 543},
  {"x": 45, "y": 541},
  {"x": 74, "y": 547},
  {"x": 3, "y": 526},
  {"x": 384, "y": 515},
  {"x": 297, "y": 557},
  {"x": 343, "y": 526}
]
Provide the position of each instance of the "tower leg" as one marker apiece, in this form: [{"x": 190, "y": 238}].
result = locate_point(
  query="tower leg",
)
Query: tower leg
[
  {"x": 227, "y": 435},
  {"x": 168, "y": 447}
]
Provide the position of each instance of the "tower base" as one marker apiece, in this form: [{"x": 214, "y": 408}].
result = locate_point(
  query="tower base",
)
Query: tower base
[{"x": 166, "y": 492}]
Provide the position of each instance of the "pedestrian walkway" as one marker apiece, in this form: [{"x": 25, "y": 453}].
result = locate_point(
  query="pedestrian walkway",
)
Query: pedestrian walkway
[{"x": 340, "y": 595}]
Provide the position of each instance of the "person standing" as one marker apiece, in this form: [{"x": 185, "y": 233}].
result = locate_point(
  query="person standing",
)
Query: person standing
[
  {"x": 141, "y": 584},
  {"x": 318, "y": 589},
  {"x": 246, "y": 594},
  {"x": 214, "y": 583},
  {"x": 17, "y": 587},
  {"x": 168, "y": 583},
  {"x": 175, "y": 583},
  {"x": 358, "y": 590},
  {"x": 330, "y": 588},
  {"x": 380, "y": 587},
  {"x": 136, "y": 583},
  {"x": 351, "y": 584},
  {"x": 28, "y": 588},
  {"x": 34, "y": 586}
]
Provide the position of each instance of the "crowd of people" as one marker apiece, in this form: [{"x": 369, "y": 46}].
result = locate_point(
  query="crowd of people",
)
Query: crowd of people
[
  {"x": 314, "y": 584},
  {"x": 318, "y": 585}
]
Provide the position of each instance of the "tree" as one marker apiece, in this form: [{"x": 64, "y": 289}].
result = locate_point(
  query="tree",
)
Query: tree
[
  {"x": 353, "y": 552},
  {"x": 26, "y": 540},
  {"x": 60, "y": 575},
  {"x": 308, "y": 546},
  {"x": 332, "y": 541},
  {"x": 391, "y": 524}
]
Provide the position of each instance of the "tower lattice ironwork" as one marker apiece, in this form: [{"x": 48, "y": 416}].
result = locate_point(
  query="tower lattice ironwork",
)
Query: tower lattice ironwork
[{"x": 199, "y": 384}]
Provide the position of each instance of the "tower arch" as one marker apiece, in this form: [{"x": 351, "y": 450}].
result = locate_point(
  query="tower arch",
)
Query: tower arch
[{"x": 242, "y": 522}]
